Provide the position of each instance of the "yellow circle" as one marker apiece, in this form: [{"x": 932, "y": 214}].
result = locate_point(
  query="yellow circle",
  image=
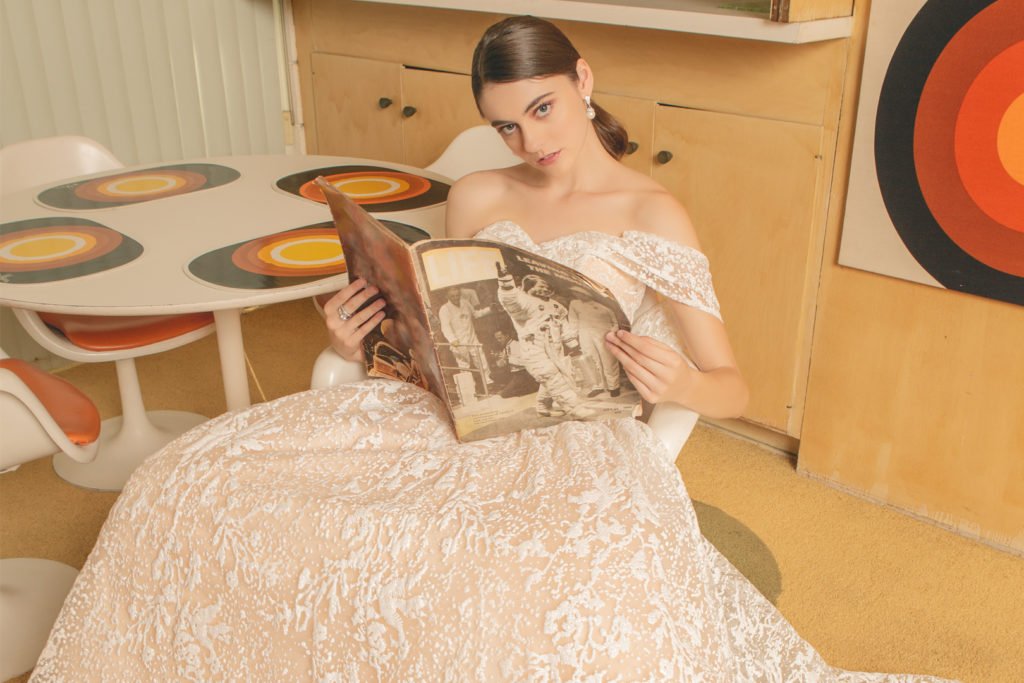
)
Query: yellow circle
[
  {"x": 1010, "y": 139},
  {"x": 372, "y": 187},
  {"x": 311, "y": 252},
  {"x": 45, "y": 247}
]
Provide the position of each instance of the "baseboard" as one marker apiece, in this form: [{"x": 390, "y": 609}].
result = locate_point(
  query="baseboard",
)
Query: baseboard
[
  {"x": 1007, "y": 546},
  {"x": 754, "y": 432}
]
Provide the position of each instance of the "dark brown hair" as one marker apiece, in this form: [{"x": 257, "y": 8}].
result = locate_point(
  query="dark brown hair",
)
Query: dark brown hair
[{"x": 518, "y": 48}]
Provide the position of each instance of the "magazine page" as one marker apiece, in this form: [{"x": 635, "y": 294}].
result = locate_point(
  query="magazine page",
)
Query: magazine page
[
  {"x": 520, "y": 338},
  {"x": 400, "y": 347}
]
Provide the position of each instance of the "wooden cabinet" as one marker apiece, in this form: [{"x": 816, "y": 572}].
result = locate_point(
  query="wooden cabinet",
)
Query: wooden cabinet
[
  {"x": 387, "y": 111},
  {"x": 749, "y": 186}
]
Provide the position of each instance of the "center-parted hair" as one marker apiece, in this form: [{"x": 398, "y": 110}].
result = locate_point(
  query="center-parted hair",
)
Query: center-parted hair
[{"x": 524, "y": 47}]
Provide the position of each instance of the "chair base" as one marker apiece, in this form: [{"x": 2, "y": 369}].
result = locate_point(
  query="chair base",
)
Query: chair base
[
  {"x": 32, "y": 592},
  {"x": 120, "y": 452}
]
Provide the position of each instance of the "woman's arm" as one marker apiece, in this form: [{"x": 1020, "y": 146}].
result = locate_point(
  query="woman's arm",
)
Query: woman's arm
[{"x": 716, "y": 387}]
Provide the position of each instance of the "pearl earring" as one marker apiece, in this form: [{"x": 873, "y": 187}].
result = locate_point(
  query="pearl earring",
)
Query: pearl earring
[{"x": 590, "y": 109}]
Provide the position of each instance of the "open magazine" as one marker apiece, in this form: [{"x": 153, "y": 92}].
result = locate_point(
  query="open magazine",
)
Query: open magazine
[{"x": 507, "y": 339}]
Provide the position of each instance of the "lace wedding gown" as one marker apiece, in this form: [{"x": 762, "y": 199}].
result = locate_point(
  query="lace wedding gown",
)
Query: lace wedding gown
[{"x": 344, "y": 535}]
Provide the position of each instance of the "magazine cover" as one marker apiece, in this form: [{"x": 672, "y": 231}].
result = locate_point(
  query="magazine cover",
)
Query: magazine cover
[
  {"x": 520, "y": 338},
  {"x": 507, "y": 339}
]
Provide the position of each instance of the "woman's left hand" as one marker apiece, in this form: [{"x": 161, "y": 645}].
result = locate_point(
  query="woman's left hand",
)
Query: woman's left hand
[{"x": 657, "y": 371}]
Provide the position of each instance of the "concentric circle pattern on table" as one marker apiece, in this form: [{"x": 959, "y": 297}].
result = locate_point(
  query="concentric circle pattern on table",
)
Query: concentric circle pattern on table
[
  {"x": 50, "y": 249},
  {"x": 141, "y": 185},
  {"x": 949, "y": 144},
  {"x": 283, "y": 259},
  {"x": 376, "y": 187}
]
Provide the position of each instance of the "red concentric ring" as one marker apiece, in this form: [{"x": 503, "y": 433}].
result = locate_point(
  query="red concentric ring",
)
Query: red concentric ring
[{"x": 965, "y": 183}]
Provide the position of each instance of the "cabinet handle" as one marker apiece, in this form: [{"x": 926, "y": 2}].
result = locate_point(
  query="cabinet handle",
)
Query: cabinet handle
[
  {"x": 632, "y": 147},
  {"x": 408, "y": 111},
  {"x": 384, "y": 102},
  {"x": 664, "y": 156}
]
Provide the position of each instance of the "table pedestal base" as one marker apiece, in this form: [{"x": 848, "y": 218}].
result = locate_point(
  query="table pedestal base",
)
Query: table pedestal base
[{"x": 121, "y": 452}]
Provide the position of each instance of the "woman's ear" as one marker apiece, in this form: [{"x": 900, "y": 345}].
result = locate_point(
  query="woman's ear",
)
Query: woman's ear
[{"x": 584, "y": 78}]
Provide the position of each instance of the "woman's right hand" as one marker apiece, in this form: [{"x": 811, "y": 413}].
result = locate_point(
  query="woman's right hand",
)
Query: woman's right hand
[{"x": 346, "y": 335}]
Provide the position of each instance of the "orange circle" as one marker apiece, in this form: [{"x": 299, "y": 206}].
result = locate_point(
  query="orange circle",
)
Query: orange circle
[
  {"x": 976, "y": 138},
  {"x": 1010, "y": 139},
  {"x": 395, "y": 186}
]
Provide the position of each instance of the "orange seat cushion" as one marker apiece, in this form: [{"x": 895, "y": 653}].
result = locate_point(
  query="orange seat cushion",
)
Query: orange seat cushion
[
  {"x": 115, "y": 333},
  {"x": 72, "y": 410}
]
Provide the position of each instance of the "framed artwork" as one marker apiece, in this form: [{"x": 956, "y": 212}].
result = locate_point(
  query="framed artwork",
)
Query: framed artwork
[{"x": 936, "y": 191}]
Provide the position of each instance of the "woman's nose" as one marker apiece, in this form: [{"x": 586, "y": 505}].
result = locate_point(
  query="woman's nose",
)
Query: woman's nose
[{"x": 530, "y": 140}]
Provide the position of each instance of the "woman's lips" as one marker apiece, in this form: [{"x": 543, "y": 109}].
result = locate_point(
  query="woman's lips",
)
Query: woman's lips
[{"x": 549, "y": 159}]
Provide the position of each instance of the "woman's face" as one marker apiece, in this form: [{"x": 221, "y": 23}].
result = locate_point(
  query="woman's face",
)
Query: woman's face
[{"x": 542, "y": 120}]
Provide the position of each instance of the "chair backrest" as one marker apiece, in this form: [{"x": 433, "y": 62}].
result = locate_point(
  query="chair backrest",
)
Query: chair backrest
[
  {"x": 478, "y": 148},
  {"x": 43, "y": 160}
]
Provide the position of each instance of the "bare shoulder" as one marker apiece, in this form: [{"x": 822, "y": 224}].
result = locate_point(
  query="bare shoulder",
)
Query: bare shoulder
[
  {"x": 475, "y": 201},
  {"x": 657, "y": 211}
]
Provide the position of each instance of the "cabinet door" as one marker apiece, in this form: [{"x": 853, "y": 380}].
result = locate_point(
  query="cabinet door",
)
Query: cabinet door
[
  {"x": 637, "y": 115},
  {"x": 750, "y": 186},
  {"x": 350, "y": 118},
  {"x": 444, "y": 107}
]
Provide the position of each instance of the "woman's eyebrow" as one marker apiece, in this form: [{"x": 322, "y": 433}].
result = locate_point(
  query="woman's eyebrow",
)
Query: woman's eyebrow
[{"x": 531, "y": 105}]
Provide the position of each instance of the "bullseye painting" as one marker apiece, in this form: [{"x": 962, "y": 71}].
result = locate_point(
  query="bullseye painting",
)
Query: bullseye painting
[
  {"x": 376, "y": 188},
  {"x": 131, "y": 187},
  {"x": 937, "y": 178},
  {"x": 51, "y": 249}
]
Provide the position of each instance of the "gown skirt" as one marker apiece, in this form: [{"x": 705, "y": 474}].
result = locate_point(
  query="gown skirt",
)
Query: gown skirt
[{"x": 344, "y": 534}]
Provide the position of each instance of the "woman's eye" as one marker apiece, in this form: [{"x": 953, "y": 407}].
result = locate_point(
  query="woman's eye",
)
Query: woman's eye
[
  {"x": 507, "y": 129},
  {"x": 544, "y": 109}
]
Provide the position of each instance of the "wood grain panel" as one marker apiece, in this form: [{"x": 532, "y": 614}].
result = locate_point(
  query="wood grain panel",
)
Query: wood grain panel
[
  {"x": 749, "y": 185},
  {"x": 916, "y": 398},
  {"x": 349, "y": 120},
  {"x": 769, "y": 80},
  {"x": 637, "y": 116},
  {"x": 444, "y": 108}
]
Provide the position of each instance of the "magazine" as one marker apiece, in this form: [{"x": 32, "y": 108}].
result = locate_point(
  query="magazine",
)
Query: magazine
[{"x": 507, "y": 339}]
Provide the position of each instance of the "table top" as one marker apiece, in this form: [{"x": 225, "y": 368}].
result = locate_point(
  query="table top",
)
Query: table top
[{"x": 199, "y": 248}]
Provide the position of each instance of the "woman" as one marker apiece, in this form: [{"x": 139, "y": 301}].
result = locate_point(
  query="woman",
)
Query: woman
[{"x": 345, "y": 534}]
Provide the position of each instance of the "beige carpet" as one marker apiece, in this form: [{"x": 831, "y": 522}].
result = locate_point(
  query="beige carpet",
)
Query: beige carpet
[{"x": 869, "y": 587}]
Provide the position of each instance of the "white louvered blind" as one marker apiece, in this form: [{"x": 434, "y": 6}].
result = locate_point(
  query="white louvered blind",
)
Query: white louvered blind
[{"x": 153, "y": 80}]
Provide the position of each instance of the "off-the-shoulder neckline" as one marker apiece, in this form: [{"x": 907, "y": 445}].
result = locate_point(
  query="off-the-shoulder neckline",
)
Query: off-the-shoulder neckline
[{"x": 623, "y": 237}]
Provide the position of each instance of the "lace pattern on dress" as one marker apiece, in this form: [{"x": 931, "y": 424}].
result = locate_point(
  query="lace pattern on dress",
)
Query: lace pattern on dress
[{"x": 673, "y": 270}]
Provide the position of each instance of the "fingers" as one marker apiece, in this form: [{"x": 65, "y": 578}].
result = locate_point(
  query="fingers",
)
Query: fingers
[
  {"x": 644, "y": 346},
  {"x": 351, "y": 297},
  {"x": 645, "y": 381},
  {"x": 652, "y": 366},
  {"x": 347, "y": 335}
]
